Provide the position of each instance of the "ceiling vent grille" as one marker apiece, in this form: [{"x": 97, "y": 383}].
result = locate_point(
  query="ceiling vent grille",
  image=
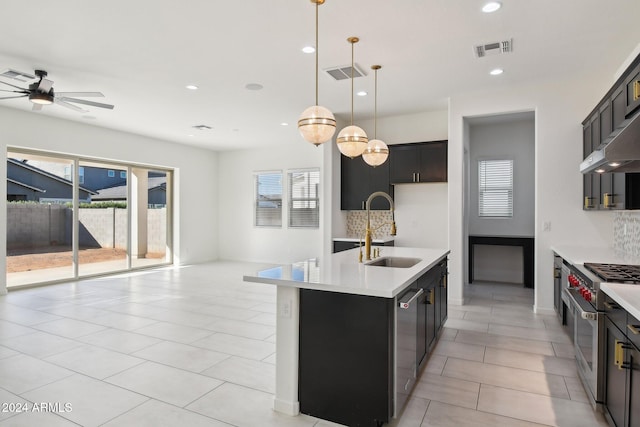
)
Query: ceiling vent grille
[
  {"x": 202, "y": 127},
  {"x": 344, "y": 73},
  {"x": 17, "y": 75},
  {"x": 494, "y": 48}
]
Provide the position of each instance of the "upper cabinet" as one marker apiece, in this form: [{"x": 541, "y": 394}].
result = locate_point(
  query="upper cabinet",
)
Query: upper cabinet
[
  {"x": 419, "y": 162},
  {"x": 359, "y": 180},
  {"x": 632, "y": 86}
]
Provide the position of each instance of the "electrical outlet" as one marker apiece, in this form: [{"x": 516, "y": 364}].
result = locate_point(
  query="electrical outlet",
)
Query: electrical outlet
[
  {"x": 547, "y": 226},
  {"x": 285, "y": 309}
]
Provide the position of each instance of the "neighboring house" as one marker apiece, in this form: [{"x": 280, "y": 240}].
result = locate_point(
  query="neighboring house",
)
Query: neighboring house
[
  {"x": 96, "y": 178},
  {"x": 157, "y": 192},
  {"x": 26, "y": 182}
]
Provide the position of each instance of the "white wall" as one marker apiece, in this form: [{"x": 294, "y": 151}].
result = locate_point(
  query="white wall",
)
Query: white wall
[
  {"x": 560, "y": 106},
  {"x": 239, "y": 239},
  {"x": 503, "y": 137},
  {"x": 195, "y": 234},
  {"x": 421, "y": 209}
]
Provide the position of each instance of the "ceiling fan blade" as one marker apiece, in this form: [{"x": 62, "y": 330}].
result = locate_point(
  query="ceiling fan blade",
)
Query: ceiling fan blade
[
  {"x": 11, "y": 97},
  {"x": 63, "y": 103},
  {"x": 36, "y": 107},
  {"x": 91, "y": 103},
  {"x": 45, "y": 85},
  {"x": 84, "y": 94},
  {"x": 9, "y": 84}
]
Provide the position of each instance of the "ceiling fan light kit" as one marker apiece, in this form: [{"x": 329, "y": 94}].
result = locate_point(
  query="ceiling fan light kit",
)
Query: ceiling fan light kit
[
  {"x": 352, "y": 140},
  {"x": 317, "y": 124},
  {"x": 41, "y": 93}
]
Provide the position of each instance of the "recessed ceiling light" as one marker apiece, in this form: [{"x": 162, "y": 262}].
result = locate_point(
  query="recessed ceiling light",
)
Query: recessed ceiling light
[
  {"x": 192, "y": 87},
  {"x": 284, "y": 124},
  {"x": 600, "y": 170},
  {"x": 362, "y": 93},
  {"x": 492, "y": 6},
  {"x": 308, "y": 49},
  {"x": 496, "y": 71},
  {"x": 190, "y": 134},
  {"x": 254, "y": 86},
  {"x": 614, "y": 164}
]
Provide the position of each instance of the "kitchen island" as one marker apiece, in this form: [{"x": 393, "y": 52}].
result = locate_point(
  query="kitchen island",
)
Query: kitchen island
[{"x": 338, "y": 333}]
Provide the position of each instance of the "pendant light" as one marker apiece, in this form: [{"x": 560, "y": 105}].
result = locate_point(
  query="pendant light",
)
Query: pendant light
[
  {"x": 377, "y": 151},
  {"x": 317, "y": 124},
  {"x": 352, "y": 140}
]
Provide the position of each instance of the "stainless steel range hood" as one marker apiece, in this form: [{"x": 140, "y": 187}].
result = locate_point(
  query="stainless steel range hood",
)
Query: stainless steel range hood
[{"x": 620, "y": 152}]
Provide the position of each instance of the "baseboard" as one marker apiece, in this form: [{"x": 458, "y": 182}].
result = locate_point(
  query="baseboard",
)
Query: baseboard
[
  {"x": 540, "y": 310},
  {"x": 455, "y": 301},
  {"x": 286, "y": 407}
]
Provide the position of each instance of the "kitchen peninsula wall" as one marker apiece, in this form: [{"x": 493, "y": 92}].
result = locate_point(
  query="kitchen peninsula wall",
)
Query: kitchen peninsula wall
[{"x": 626, "y": 232}]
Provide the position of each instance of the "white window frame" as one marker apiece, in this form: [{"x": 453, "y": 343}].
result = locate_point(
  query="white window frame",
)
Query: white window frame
[
  {"x": 495, "y": 192},
  {"x": 257, "y": 201},
  {"x": 313, "y": 197}
]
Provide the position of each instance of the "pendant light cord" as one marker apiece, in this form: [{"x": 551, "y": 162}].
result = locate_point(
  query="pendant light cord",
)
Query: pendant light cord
[
  {"x": 375, "y": 105},
  {"x": 352, "y": 64},
  {"x": 317, "y": 5}
]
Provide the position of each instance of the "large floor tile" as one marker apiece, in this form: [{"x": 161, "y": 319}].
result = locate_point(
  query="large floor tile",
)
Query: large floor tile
[
  {"x": 170, "y": 385},
  {"x": 22, "y": 373},
  {"x": 537, "y": 408},
  {"x": 31, "y": 419},
  {"x": 530, "y": 333},
  {"x": 93, "y": 402},
  {"x": 94, "y": 361},
  {"x": 246, "y": 372},
  {"x": 153, "y": 413},
  {"x": 11, "y": 330},
  {"x": 6, "y": 352},
  {"x": 467, "y": 325},
  {"x": 69, "y": 328},
  {"x": 40, "y": 344},
  {"x": 504, "y": 342},
  {"x": 172, "y": 332},
  {"x": 564, "y": 350},
  {"x": 531, "y": 361},
  {"x": 13, "y": 402},
  {"x": 412, "y": 414},
  {"x": 460, "y": 350},
  {"x": 502, "y": 376},
  {"x": 242, "y": 328},
  {"x": 237, "y": 346},
  {"x": 245, "y": 407},
  {"x": 447, "y": 390},
  {"x": 183, "y": 356},
  {"x": 443, "y": 415},
  {"x": 122, "y": 321},
  {"x": 122, "y": 341},
  {"x": 24, "y": 316}
]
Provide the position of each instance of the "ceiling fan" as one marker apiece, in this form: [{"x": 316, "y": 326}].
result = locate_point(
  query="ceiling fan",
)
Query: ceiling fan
[{"x": 41, "y": 93}]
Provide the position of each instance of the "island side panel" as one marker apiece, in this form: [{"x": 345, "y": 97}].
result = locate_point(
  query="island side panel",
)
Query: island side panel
[
  {"x": 287, "y": 322},
  {"x": 346, "y": 357}
]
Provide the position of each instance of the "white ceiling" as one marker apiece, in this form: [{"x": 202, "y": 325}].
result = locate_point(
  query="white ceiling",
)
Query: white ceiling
[{"x": 142, "y": 53}]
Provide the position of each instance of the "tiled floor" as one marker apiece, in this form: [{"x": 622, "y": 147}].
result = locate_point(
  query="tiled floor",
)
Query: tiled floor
[{"x": 195, "y": 346}]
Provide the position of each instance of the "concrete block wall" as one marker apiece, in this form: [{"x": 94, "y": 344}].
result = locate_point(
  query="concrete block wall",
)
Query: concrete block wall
[{"x": 30, "y": 225}]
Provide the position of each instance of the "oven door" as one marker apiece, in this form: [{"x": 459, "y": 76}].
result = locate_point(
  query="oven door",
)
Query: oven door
[{"x": 585, "y": 339}]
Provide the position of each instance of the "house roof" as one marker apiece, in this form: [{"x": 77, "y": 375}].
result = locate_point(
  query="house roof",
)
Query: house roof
[
  {"x": 120, "y": 192},
  {"x": 141, "y": 57},
  {"x": 43, "y": 172},
  {"x": 27, "y": 186}
]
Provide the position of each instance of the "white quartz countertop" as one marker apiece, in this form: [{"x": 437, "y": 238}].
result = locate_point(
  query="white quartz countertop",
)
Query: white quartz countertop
[
  {"x": 341, "y": 272},
  {"x": 628, "y": 296},
  {"x": 355, "y": 239},
  {"x": 598, "y": 254}
]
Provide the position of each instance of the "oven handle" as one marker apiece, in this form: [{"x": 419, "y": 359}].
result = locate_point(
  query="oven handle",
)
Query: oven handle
[{"x": 585, "y": 310}]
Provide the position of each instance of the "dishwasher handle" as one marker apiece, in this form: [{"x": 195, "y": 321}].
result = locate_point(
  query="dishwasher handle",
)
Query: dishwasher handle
[{"x": 405, "y": 305}]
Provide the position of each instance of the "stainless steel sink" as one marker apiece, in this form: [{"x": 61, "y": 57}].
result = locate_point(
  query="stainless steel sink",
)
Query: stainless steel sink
[{"x": 395, "y": 262}]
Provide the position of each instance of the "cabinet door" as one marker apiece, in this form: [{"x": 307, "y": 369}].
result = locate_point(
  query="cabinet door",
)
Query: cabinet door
[
  {"x": 606, "y": 120},
  {"x": 633, "y": 387},
  {"x": 433, "y": 162},
  {"x": 379, "y": 181},
  {"x": 355, "y": 183},
  {"x": 404, "y": 164},
  {"x": 632, "y": 84},
  {"x": 615, "y": 376},
  {"x": 443, "y": 295},
  {"x": 618, "y": 107},
  {"x": 421, "y": 338},
  {"x": 591, "y": 182}
]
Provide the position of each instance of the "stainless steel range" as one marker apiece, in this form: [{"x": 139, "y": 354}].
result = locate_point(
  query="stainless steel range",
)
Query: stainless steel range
[{"x": 586, "y": 308}]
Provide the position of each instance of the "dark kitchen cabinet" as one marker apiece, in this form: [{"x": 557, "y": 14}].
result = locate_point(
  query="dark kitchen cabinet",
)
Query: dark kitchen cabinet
[
  {"x": 418, "y": 162},
  {"x": 591, "y": 184},
  {"x": 442, "y": 295},
  {"x": 434, "y": 303},
  {"x": 632, "y": 86},
  {"x": 341, "y": 245},
  {"x": 622, "y": 366},
  {"x": 359, "y": 180}
]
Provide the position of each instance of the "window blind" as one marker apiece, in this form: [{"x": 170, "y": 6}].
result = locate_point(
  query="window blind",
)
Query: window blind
[
  {"x": 268, "y": 199},
  {"x": 304, "y": 199},
  {"x": 495, "y": 198}
]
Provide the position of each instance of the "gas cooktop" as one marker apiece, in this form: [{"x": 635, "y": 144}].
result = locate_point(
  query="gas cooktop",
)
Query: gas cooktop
[{"x": 615, "y": 272}]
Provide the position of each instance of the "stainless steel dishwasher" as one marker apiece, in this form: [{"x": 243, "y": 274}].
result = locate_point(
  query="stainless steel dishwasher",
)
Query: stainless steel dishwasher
[{"x": 407, "y": 331}]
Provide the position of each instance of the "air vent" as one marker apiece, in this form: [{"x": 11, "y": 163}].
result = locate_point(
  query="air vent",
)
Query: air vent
[
  {"x": 202, "y": 127},
  {"x": 344, "y": 73},
  {"x": 494, "y": 48},
  {"x": 17, "y": 75}
]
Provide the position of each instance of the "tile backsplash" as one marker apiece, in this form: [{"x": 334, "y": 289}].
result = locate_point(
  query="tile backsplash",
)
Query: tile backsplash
[
  {"x": 357, "y": 223},
  {"x": 626, "y": 232}
]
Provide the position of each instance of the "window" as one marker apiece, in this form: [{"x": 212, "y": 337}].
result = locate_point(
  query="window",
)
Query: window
[
  {"x": 495, "y": 198},
  {"x": 123, "y": 174},
  {"x": 81, "y": 175},
  {"x": 268, "y": 199},
  {"x": 111, "y": 173},
  {"x": 304, "y": 202}
]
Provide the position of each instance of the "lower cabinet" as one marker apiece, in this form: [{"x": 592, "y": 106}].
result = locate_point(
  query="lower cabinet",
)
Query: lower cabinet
[
  {"x": 622, "y": 372},
  {"x": 347, "y": 349},
  {"x": 341, "y": 245}
]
